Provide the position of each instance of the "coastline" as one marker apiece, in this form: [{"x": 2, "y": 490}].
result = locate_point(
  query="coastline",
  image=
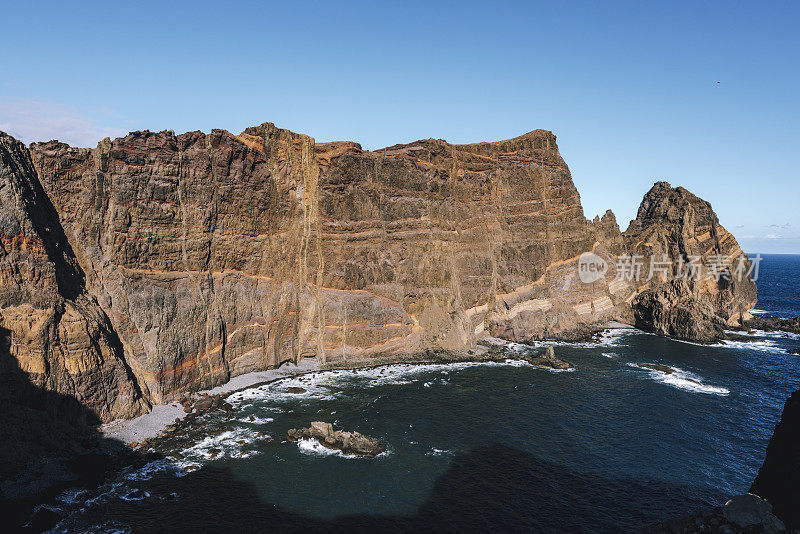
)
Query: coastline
[{"x": 152, "y": 424}]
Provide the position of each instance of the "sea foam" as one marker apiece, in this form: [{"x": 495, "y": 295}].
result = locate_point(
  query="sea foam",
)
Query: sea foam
[{"x": 681, "y": 379}]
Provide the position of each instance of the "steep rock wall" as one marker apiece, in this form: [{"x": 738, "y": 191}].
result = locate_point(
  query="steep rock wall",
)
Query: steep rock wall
[
  {"x": 52, "y": 333},
  {"x": 205, "y": 256}
]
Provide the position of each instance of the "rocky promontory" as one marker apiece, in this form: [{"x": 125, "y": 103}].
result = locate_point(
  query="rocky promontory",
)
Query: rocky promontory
[{"x": 156, "y": 265}]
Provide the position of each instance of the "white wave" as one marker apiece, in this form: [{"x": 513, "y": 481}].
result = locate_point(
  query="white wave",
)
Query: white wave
[
  {"x": 763, "y": 345},
  {"x": 314, "y": 447},
  {"x": 684, "y": 380},
  {"x": 72, "y": 495},
  {"x": 776, "y": 334},
  {"x": 551, "y": 370},
  {"x": 135, "y": 495},
  {"x": 759, "y": 312},
  {"x": 609, "y": 354},
  {"x": 327, "y": 384},
  {"x": 439, "y": 452},
  {"x": 612, "y": 337},
  {"x": 146, "y": 472},
  {"x": 255, "y": 420},
  {"x": 228, "y": 444},
  {"x": 110, "y": 490}
]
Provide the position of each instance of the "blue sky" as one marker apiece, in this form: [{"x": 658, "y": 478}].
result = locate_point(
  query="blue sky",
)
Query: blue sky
[{"x": 629, "y": 88}]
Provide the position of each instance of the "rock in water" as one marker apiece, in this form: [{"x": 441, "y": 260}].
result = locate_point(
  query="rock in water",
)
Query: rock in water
[
  {"x": 672, "y": 309},
  {"x": 351, "y": 443},
  {"x": 778, "y": 480},
  {"x": 775, "y": 324},
  {"x": 547, "y": 359}
]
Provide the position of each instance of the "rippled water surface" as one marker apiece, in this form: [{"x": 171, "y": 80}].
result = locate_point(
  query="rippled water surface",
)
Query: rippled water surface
[{"x": 609, "y": 446}]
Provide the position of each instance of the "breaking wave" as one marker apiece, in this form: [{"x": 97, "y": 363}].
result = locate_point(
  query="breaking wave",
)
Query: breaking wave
[{"x": 678, "y": 378}]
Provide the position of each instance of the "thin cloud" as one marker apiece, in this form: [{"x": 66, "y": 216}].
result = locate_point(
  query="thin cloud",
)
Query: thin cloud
[
  {"x": 32, "y": 120},
  {"x": 772, "y": 236},
  {"x": 784, "y": 226}
]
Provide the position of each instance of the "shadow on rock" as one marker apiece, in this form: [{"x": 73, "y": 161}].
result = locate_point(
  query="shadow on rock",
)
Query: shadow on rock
[{"x": 49, "y": 442}]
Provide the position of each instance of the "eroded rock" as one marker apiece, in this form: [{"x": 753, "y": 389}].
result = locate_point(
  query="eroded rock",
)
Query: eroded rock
[
  {"x": 547, "y": 358},
  {"x": 351, "y": 443}
]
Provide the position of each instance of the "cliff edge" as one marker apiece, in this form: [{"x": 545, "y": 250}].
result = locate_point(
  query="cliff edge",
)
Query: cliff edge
[{"x": 157, "y": 264}]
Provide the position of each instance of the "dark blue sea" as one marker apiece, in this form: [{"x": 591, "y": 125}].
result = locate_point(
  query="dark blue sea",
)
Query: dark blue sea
[{"x": 607, "y": 447}]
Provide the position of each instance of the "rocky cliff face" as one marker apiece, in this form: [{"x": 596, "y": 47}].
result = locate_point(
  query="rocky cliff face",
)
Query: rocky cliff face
[
  {"x": 778, "y": 480},
  {"x": 185, "y": 260},
  {"x": 52, "y": 332},
  {"x": 704, "y": 286}
]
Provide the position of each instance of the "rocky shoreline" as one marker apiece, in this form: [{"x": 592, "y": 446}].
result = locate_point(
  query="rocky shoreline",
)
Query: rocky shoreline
[{"x": 190, "y": 408}]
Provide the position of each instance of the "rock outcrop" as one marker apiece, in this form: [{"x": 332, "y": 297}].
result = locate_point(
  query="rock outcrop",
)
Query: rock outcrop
[
  {"x": 672, "y": 309},
  {"x": 52, "y": 331},
  {"x": 774, "y": 324},
  {"x": 743, "y": 514},
  {"x": 350, "y": 443},
  {"x": 158, "y": 264},
  {"x": 547, "y": 358},
  {"x": 778, "y": 480},
  {"x": 704, "y": 284}
]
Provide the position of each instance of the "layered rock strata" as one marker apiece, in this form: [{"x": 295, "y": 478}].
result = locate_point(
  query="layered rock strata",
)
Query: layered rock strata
[{"x": 185, "y": 260}]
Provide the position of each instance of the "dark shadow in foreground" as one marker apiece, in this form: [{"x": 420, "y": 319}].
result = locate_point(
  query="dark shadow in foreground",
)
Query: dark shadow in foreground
[
  {"x": 48, "y": 441},
  {"x": 491, "y": 488}
]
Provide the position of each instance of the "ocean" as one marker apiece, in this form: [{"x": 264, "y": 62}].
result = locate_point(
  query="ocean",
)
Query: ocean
[{"x": 605, "y": 447}]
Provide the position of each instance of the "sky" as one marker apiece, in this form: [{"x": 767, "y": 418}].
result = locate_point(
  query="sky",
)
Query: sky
[{"x": 700, "y": 94}]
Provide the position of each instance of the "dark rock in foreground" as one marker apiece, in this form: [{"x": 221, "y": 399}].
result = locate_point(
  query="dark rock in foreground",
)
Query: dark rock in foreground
[
  {"x": 742, "y": 514},
  {"x": 778, "y": 480},
  {"x": 352, "y": 443}
]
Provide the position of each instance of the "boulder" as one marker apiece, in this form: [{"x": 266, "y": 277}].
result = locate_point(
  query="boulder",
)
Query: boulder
[
  {"x": 547, "y": 359},
  {"x": 350, "y": 443}
]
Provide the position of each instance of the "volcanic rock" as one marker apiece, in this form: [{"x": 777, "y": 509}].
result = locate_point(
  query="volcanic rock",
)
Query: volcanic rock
[
  {"x": 351, "y": 443},
  {"x": 743, "y": 514},
  {"x": 158, "y": 264},
  {"x": 674, "y": 225},
  {"x": 778, "y": 480},
  {"x": 772, "y": 324},
  {"x": 547, "y": 358}
]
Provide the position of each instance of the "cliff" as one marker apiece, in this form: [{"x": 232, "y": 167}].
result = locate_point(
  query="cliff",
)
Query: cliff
[
  {"x": 713, "y": 291},
  {"x": 778, "y": 480},
  {"x": 51, "y": 329},
  {"x": 181, "y": 261}
]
